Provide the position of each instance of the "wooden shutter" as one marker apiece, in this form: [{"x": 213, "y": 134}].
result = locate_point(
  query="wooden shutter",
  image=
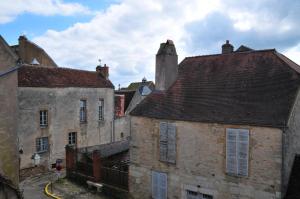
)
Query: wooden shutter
[
  {"x": 155, "y": 183},
  {"x": 171, "y": 154},
  {"x": 231, "y": 151},
  {"x": 159, "y": 185},
  {"x": 243, "y": 152},
  {"x": 163, "y": 141}
]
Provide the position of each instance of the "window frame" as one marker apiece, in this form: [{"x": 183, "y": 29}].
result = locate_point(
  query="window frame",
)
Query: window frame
[
  {"x": 198, "y": 195},
  {"x": 41, "y": 145},
  {"x": 101, "y": 112},
  {"x": 83, "y": 111},
  {"x": 72, "y": 138},
  {"x": 43, "y": 118}
]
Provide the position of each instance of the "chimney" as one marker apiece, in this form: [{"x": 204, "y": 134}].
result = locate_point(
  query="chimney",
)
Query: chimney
[
  {"x": 166, "y": 67},
  {"x": 103, "y": 71},
  {"x": 227, "y": 48}
]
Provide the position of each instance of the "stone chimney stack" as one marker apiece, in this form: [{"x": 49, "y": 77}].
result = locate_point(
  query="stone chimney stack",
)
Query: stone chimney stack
[
  {"x": 166, "y": 68},
  {"x": 103, "y": 71},
  {"x": 227, "y": 48}
]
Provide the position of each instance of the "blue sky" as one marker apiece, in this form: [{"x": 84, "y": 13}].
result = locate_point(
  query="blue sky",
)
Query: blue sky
[{"x": 126, "y": 34}]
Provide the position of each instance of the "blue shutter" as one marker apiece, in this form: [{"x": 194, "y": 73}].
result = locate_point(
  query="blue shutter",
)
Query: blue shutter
[
  {"x": 163, "y": 141},
  {"x": 231, "y": 151},
  {"x": 243, "y": 152},
  {"x": 171, "y": 154}
]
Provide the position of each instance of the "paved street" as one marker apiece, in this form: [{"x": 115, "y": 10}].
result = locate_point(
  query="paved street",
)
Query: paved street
[{"x": 33, "y": 187}]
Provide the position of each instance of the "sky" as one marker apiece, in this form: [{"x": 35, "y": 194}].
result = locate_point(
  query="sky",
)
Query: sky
[{"x": 126, "y": 34}]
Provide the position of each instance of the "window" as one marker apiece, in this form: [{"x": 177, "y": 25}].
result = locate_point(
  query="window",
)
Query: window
[
  {"x": 82, "y": 111},
  {"x": 72, "y": 138},
  {"x": 167, "y": 142},
  {"x": 42, "y": 144},
  {"x": 101, "y": 109},
  {"x": 43, "y": 118},
  {"x": 197, "y": 195},
  {"x": 159, "y": 185},
  {"x": 237, "y": 151}
]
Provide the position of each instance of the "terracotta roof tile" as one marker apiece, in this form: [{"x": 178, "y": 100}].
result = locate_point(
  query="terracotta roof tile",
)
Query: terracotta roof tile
[
  {"x": 252, "y": 88},
  {"x": 32, "y": 76}
]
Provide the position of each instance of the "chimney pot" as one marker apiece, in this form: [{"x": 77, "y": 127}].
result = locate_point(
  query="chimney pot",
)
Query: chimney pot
[{"x": 103, "y": 71}]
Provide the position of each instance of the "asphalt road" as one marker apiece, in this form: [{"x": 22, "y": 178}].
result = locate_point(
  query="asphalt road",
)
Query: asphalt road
[{"x": 33, "y": 187}]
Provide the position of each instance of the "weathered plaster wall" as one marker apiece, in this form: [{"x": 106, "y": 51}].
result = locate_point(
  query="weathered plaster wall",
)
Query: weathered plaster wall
[
  {"x": 291, "y": 142},
  {"x": 9, "y": 156},
  {"x": 63, "y": 105},
  {"x": 201, "y": 161},
  {"x": 122, "y": 127}
]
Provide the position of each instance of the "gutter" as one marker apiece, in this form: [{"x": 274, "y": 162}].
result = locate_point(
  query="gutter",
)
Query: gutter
[{"x": 2, "y": 74}]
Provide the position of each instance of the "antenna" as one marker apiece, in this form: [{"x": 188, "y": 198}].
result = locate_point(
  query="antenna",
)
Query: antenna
[{"x": 99, "y": 60}]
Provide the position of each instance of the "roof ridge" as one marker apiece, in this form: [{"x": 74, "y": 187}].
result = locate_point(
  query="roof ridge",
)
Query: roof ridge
[
  {"x": 57, "y": 68},
  {"x": 235, "y": 52},
  {"x": 293, "y": 65}
]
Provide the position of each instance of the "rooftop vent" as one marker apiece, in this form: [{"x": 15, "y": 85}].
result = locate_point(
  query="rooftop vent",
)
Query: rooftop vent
[{"x": 35, "y": 62}]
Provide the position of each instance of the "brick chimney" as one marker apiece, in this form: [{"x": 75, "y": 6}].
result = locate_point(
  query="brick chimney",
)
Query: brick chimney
[
  {"x": 103, "y": 71},
  {"x": 227, "y": 48},
  {"x": 166, "y": 67}
]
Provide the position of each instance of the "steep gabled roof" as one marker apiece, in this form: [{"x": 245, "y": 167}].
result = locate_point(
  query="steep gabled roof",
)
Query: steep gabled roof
[
  {"x": 30, "y": 76},
  {"x": 135, "y": 85},
  {"x": 252, "y": 88}
]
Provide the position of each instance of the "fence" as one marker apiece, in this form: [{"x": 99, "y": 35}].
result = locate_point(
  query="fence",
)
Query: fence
[
  {"x": 114, "y": 177},
  {"x": 85, "y": 165}
]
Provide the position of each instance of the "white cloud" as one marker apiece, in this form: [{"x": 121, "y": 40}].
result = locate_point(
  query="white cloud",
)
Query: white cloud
[
  {"x": 127, "y": 35},
  {"x": 11, "y": 9}
]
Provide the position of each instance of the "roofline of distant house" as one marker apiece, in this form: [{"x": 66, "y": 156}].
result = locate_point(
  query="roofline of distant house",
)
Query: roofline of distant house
[
  {"x": 234, "y": 52},
  {"x": 216, "y": 122}
]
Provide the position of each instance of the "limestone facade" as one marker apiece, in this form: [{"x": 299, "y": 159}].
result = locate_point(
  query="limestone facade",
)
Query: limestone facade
[
  {"x": 63, "y": 107},
  {"x": 201, "y": 161},
  {"x": 9, "y": 156}
]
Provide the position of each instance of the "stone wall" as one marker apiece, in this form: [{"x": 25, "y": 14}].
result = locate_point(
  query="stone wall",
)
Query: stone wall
[
  {"x": 291, "y": 142},
  {"x": 201, "y": 161},
  {"x": 122, "y": 128},
  {"x": 63, "y": 105},
  {"x": 9, "y": 155}
]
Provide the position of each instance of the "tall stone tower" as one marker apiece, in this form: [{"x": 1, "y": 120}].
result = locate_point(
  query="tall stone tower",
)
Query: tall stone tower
[{"x": 166, "y": 68}]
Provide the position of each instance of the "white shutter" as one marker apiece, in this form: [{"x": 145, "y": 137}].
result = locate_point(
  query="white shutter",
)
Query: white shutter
[
  {"x": 231, "y": 151},
  {"x": 171, "y": 154},
  {"x": 243, "y": 152},
  {"x": 163, "y": 141},
  {"x": 155, "y": 183}
]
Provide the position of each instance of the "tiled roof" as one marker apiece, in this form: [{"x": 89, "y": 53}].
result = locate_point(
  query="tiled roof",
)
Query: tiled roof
[
  {"x": 135, "y": 85},
  {"x": 30, "y": 76},
  {"x": 252, "y": 88}
]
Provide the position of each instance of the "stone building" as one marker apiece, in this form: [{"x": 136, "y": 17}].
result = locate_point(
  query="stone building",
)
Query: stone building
[
  {"x": 60, "y": 106},
  {"x": 56, "y": 106},
  {"x": 226, "y": 127},
  {"x": 126, "y": 100},
  {"x": 9, "y": 156}
]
